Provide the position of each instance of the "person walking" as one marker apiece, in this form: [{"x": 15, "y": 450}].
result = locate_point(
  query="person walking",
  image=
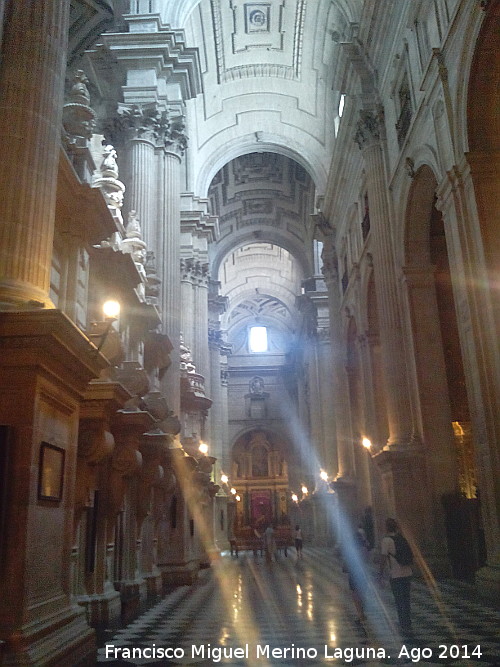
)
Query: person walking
[
  {"x": 298, "y": 541},
  {"x": 270, "y": 543},
  {"x": 397, "y": 558},
  {"x": 355, "y": 559}
]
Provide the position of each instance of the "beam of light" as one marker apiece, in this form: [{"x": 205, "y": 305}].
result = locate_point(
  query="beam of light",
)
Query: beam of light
[{"x": 246, "y": 627}]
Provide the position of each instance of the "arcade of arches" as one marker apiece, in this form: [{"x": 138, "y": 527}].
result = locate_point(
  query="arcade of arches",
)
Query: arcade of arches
[{"x": 292, "y": 207}]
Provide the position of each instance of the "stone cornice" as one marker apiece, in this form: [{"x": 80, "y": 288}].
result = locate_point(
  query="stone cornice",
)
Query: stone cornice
[
  {"x": 164, "y": 51},
  {"x": 48, "y": 340}
]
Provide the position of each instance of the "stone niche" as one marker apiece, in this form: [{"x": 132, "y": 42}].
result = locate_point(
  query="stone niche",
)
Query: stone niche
[{"x": 256, "y": 399}]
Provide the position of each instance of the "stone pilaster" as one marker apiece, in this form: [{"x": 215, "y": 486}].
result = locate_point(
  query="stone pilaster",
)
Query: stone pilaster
[
  {"x": 368, "y": 137},
  {"x": 31, "y": 105}
]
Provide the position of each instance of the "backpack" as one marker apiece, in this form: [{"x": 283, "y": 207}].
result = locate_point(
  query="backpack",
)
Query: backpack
[{"x": 404, "y": 554}]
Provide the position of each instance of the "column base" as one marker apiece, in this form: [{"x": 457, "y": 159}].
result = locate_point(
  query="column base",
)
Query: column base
[
  {"x": 103, "y": 610},
  {"x": 18, "y": 296},
  {"x": 153, "y": 584},
  {"x": 182, "y": 574},
  {"x": 63, "y": 640},
  {"x": 133, "y": 596},
  {"x": 488, "y": 582}
]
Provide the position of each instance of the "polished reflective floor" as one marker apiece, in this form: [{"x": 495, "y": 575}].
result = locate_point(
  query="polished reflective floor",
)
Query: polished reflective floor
[{"x": 245, "y": 611}]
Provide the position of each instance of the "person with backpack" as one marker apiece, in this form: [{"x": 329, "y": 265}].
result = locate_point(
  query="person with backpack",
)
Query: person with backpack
[{"x": 397, "y": 557}]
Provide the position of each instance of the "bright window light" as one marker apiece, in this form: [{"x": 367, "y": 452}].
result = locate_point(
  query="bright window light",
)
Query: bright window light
[
  {"x": 341, "y": 105},
  {"x": 258, "y": 339}
]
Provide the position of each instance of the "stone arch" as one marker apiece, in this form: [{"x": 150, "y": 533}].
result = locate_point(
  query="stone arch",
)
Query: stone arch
[
  {"x": 294, "y": 246},
  {"x": 224, "y": 152},
  {"x": 483, "y": 93},
  {"x": 441, "y": 409},
  {"x": 483, "y": 133},
  {"x": 418, "y": 214}
]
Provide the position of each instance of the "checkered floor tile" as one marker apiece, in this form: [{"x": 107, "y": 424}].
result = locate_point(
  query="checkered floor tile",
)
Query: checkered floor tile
[{"x": 247, "y": 612}]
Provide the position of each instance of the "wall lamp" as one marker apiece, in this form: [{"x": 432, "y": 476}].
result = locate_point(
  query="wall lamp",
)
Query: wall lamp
[{"x": 111, "y": 311}]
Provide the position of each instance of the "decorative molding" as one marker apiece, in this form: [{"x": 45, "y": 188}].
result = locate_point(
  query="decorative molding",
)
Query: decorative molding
[{"x": 271, "y": 35}]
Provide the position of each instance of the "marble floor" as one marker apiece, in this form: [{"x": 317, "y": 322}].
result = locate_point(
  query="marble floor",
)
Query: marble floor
[{"x": 244, "y": 611}]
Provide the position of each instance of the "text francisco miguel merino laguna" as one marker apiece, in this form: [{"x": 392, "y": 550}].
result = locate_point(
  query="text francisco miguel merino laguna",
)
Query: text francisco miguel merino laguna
[{"x": 259, "y": 651}]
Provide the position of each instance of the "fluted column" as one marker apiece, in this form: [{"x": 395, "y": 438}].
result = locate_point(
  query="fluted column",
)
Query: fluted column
[
  {"x": 339, "y": 383},
  {"x": 169, "y": 254},
  {"x": 31, "y": 103},
  {"x": 368, "y": 137},
  {"x": 142, "y": 123},
  {"x": 326, "y": 396},
  {"x": 200, "y": 333},
  {"x": 188, "y": 307},
  {"x": 215, "y": 422},
  {"x": 224, "y": 373},
  {"x": 142, "y": 192}
]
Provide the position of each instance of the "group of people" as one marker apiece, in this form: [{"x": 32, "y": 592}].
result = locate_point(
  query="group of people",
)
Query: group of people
[
  {"x": 395, "y": 560},
  {"x": 269, "y": 540}
]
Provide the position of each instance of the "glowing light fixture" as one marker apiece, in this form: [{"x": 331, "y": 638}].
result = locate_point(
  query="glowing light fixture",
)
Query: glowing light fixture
[
  {"x": 224, "y": 478},
  {"x": 324, "y": 475},
  {"x": 295, "y": 498},
  {"x": 111, "y": 309},
  {"x": 203, "y": 448},
  {"x": 233, "y": 490},
  {"x": 366, "y": 443},
  {"x": 237, "y": 498},
  {"x": 305, "y": 490}
]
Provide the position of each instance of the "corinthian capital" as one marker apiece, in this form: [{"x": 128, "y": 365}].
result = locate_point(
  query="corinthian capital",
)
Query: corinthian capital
[
  {"x": 141, "y": 121},
  {"x": 330, "y": 268},
  {"x": 174, "y": 135},
  {"x": 368, "y": 129}
]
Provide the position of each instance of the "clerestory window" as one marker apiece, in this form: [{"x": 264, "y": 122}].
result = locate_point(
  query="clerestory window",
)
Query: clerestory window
[{"x": 257, "y": 339}]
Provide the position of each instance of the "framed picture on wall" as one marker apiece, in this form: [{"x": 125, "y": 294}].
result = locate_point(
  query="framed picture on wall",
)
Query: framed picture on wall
[{"x": 51, "y": 472}]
